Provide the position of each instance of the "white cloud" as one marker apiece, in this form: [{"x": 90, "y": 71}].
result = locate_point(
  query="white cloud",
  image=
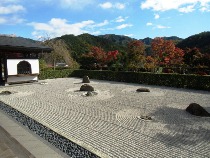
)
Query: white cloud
[
  {"x": 10, "y": 9},
  {"x": 57, "y": 27},
  {"x": 104, "y": 23},
  {"x": 129, "y": 35},
  {"x": 9, "y": 12},
  {"x": 162, "y": 27},
  {"x": 180, "y": 5},
  {"x": 123, "y": 26},
  {"x": 120, "y": 19},
  {"x": 106, "y": 5},
  {"x": 187, "y": 9},
  {"x": 119, "y": 5},
  {"x": 157, "y": 16},
  {"x": 205, "y": 9},
  {"x": 109, "y": 5},
  {"x": 11, "y": 20},
  {"x": 149, "y": 24},
  {"x": 75, "y": 4}
]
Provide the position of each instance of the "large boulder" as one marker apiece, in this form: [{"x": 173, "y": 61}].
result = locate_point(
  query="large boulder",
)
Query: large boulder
[
  {"x": 85, "y": 79},
  {"x": 86, "y": 87},
  {"x": 196, "y": 109},
  {"x": 142, "y": 90}
]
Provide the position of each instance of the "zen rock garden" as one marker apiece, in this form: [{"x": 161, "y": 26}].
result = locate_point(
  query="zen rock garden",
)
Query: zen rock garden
[{"x": 87, "y": 88}]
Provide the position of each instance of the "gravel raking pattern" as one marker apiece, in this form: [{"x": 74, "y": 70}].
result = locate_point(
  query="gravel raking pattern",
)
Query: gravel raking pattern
[{"x": 109, "y": 123}]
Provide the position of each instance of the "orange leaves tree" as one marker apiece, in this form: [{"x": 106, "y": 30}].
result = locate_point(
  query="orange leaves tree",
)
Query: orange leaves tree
[
  {"x": 97, "y": 58},
  {"x": 166, "y": 53},
  {"x": 136, "y": 55}
]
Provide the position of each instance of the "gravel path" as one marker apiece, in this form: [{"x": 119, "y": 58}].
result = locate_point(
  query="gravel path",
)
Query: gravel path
[{"x": 109, "y": 123}]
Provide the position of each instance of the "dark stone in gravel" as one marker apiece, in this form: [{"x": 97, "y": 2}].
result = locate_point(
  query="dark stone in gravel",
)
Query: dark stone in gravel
[
  {"x": 146, "y": 117},
  {"x": 142, "y": 90},
  {"x": 5, "y": 93},
  {"x": 197, "y": 110},
  {"x": 85, "y": 79},
  {"x": 86, "y": 87}
]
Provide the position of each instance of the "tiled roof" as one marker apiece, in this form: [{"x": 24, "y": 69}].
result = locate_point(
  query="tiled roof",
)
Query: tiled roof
[{"x": 22, "y": 44}]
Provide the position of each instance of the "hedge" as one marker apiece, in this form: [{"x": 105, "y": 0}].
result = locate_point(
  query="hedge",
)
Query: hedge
[
  {"x": 170, "y": 80},
  {"x": 50, "y": 74}
]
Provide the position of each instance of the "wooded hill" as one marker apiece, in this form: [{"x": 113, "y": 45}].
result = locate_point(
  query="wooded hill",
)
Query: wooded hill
[
  {"x": 81, "y": 44},
  {"x": 201, "y": 41}
]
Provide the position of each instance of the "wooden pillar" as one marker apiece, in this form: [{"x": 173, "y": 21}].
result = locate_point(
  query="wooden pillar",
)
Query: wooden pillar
[{"x": 5, "y": 68}]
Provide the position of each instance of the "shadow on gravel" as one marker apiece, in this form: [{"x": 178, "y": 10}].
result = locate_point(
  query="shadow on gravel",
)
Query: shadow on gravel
[{"x": 182, "y": 129}]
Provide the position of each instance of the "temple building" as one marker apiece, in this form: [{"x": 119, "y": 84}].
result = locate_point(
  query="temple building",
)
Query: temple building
[{"x": 19, "y": 59}]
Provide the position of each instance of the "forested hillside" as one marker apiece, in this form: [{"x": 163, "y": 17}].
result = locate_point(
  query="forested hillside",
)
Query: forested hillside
[
  {"x": 82, "y": 44},
  {"x": 200, "y": 41},
  {"x": 115, "y": 51}
]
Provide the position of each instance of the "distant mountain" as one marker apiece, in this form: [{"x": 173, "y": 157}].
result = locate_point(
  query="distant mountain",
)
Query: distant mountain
[
  {"x": 78, "y": 45},
  {"x": 124, "y": 40},
  {"x": 147, "y": 41},
  {"x": 201, "y": 41},
  {"x": 82, "y": 43},
  {"x": 118, "y": 39}
]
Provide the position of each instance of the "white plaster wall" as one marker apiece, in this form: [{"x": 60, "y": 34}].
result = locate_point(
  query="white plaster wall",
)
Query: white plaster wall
[{"x": 12, "y": 65}]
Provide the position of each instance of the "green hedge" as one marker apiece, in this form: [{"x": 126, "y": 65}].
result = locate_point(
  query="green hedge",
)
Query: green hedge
[
  {"x": 170, "y": 80},
  {"x": 50, "y": 74}
]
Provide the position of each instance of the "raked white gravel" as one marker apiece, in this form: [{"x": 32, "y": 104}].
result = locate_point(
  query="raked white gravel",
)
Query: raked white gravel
[{"x": 109, "y": 123}]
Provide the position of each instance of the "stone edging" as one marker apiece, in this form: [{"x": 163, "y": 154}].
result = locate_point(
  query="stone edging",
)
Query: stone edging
[{"x": 60, "y": 142}]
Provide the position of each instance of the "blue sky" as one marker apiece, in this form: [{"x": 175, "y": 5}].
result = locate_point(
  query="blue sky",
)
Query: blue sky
[{"x": 135, "y": 18}]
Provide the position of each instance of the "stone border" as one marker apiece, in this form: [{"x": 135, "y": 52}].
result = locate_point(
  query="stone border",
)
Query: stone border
[{"x": 60, "y": 142}]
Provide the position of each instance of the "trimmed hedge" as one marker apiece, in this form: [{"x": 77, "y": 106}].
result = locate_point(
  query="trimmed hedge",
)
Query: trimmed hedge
[
  {"x": 50, "y": 74},
  {"x": 170, "y": 80}
]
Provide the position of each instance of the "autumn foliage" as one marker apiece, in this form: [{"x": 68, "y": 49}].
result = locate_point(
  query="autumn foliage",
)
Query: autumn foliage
[
  {"x": 99, "y": 58},
  {"x": 166, "y": 53},
  {"x": 136, "y": 55}
]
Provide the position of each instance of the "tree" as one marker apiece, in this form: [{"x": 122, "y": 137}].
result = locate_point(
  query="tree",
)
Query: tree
[
  {"x": 193, "y": 57},
  {"x": 166, "y": 53},
  {"x": 60, "y": 53},
  {"x": 98, "y": 58},
  {"x": 150, "y": 63},
  {"x": 136, "y": 54}
]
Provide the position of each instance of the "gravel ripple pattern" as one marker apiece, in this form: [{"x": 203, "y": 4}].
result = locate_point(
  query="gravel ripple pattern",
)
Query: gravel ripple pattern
[{"x": 109, "y": 123}]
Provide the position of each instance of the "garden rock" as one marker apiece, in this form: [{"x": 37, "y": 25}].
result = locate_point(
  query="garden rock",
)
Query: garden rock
[
  {"x": 86, "y": 87},
  {"x": 89, "y": 93},
  {"x": 197, "y": 110},
  {"x": 142, "y": 90},
  {"x": 145, "y": 117},
  {"x": 85, "y": 79},
  {"x": 5, "y": 93}
]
